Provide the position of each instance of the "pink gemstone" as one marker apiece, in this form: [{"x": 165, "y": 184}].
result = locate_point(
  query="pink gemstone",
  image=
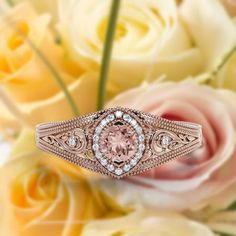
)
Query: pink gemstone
[{"x": 119, "y": 142}]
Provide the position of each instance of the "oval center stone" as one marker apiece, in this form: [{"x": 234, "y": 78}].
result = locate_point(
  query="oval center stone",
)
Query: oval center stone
[{"x": 119, "y": 142}]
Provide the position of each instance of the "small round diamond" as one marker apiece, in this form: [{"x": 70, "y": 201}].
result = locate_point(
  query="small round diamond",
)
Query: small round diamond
[
  {"x": 138, "y": 129},
  {"x": 133, "y": 162},
  {"x": 127, "y": 117},
  {"x": 111, "y": 117},
  {"x": 127, "y": 167},
  {"x": 95, "y": 147},
  {"x": 141, "y": 147},
  {"x": 118, "y": 114},
  {"x": 138, "y": 155},
  {"x": 165, "y": 140},
  {"x": 141, "y": 138},
  {"x": 95, "y": 138},
  {"x": 98, "y": 155},
  {"x": 103, "y": 122},
  {"x": 133, "y": 122},
  {"x": 110, "y": 167},
  {"x": 98, "y": 130},
  {"x": 118, "y": 171},
  {"x": 72, "y": 141},
  {"x": 103, "y": 162}
]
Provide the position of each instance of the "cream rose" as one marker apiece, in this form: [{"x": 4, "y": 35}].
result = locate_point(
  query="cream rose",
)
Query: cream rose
[
  {"x": 225, "y": 78},
  {"x": 153, "y": 37},
  {"x": 216, "y": 38},
  {"x": 219, "y": 212},
  {"x": 39, "y": 197},
  {"x": 190, "y": 180},
  {"x": 150, "y": 39},
  {"x": 147, "y": 223}
]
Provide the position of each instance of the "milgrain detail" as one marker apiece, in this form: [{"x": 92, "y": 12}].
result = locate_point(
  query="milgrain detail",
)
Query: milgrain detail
[{"x": 119, "y": 141}]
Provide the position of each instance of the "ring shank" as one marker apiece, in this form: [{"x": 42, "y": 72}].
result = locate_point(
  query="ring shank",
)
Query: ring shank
[{"x": 57, "y": 138}]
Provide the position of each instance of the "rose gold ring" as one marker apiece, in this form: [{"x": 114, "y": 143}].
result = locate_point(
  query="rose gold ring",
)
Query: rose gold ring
[{"x": 118, "y": 141}]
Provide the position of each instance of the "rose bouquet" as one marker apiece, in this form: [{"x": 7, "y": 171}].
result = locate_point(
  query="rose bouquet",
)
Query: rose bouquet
[{"x": 64, "y": 58}]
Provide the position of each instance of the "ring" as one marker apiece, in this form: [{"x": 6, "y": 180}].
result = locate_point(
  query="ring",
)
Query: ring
[{"x": 119, "y": 141}]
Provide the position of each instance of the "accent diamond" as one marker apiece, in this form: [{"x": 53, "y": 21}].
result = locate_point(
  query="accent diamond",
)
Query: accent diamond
[
  {"x": 110, "y": 167},
  {"x": 141, "y": 147},
  {"x": 95, "y": 138},
  {"x": 165, "y": 140},
  {"x": 103, "y": 162},
  {"x": 139, "y": 129},
  {"x": 138, "y": 155},
  {"x": 127, "y": 117},
  {"x": 98, "y": 130},
  {"x": 98, "y": 155},
  {"x": 72, "y": 141},
  {"x": 141, "y": 138},
  {"x": 118, "y": 114},
  {"x": 133, "y": 122},
  {"x": 95, "y": 147},
  {"x": 133, "y": 162},
  {"x": 118, "y": 171},
  {"x": 127, "y": 168},
  {"x": 103, "y": 122},
  {"x": 110, "y": 117}
]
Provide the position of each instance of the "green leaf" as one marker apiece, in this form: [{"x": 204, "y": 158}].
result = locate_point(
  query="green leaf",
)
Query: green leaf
[
  {"x": 232, "y": 206},
  {"x": 107, "y": 51},
  {"x": 223, "y": 234},
  {"x": 10, "y": 2}
]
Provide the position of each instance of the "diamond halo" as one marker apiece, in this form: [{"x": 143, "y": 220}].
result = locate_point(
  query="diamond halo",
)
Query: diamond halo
[{"x": 118, "y": 142}]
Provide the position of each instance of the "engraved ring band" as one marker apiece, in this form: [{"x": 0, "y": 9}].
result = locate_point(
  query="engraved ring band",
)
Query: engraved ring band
[{"x": 119, "y": 141}]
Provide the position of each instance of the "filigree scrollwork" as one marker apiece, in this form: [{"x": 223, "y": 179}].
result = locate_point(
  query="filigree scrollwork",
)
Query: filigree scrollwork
[
  {"x": 73, "y": 141},
  {"x": 164, "y": 141}
]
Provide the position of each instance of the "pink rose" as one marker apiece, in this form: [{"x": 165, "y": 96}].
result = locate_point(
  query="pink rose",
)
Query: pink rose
[{"x": 190, "y": 180}]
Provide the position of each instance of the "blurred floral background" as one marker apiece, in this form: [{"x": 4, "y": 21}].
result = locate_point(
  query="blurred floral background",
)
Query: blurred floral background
[{"x": 64, "y": 58}]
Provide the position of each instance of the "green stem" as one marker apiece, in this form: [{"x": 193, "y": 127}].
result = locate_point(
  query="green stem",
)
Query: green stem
[
  {"x": 224, "y": 61},
  {"x": 107, "y": 51}
]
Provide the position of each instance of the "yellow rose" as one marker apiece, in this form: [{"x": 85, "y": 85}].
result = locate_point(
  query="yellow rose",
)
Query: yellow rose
[
  {"x": 22, "y": 72},
  {"x": 147, "y": 223},
  {"x": 30, "y": 92},
  {"x": 150, "y": 39},
  {"x": 83, "y": 91},
  {"x": 37, "y": 197},
  {"x": 43, "y": 6},
  {"x": 55, "y": 107}
]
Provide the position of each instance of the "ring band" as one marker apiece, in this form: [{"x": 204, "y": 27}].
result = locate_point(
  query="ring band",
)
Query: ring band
[{"x": 119, "y": 141}]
